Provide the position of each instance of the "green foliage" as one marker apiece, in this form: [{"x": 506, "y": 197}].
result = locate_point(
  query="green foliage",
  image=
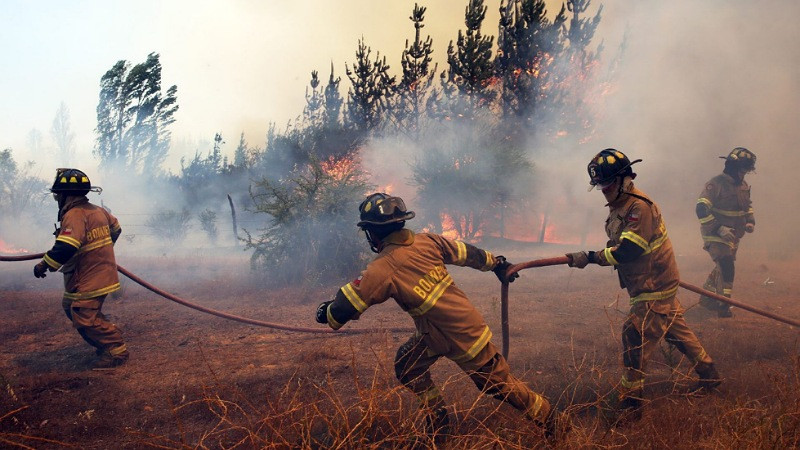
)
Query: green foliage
[
  {"x": 311, "y": 232},
  {"x": 468, "y": 175},
  {"x": 200, "y": 176},
  {"x": 369, "y": 98},
  {"x": 414, "y": 92},
  {"x": 19, "y": 190},
  {"x": 170, "y": 225},
  {"x": 208, "y": 222},
  {"x": 133, "y": 116},
  {"x": 470, "y": 66}
]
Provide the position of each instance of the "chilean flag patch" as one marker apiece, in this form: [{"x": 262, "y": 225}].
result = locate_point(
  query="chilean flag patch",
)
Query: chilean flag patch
[
  {"x": 66, "y": 231},
  {"x": 633, "y": 217},
  {"x": 357, "y": 282}
]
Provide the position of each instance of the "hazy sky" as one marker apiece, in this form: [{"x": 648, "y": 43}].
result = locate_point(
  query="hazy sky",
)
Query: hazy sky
[
  {"x": 238, "y": 64},
  {"x": 696, "y": 80}
]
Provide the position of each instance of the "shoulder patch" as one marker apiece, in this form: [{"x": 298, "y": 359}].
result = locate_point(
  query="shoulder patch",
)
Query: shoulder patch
[
  {"x": 66, "y": 231},
  {"x": 357, "y": 281},
  {"x": 632, "y": 216}
]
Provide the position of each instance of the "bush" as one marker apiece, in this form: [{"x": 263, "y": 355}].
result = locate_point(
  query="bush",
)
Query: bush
[{"x": 311, "y": 233}]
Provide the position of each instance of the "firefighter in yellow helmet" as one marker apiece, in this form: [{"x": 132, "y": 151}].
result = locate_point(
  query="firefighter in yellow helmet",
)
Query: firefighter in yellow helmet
[
  {"x": 641, "y": 252},
  {"x": 410, "y": 268},
  {"x": 726, "y": 214},
  {"x": 84, "y": 252}
]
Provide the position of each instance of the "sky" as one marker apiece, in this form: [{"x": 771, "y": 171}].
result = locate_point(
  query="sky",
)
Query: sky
[{"x": 238, "y": 65}]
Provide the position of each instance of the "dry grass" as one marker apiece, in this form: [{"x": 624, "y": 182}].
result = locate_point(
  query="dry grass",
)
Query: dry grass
[{"x": 361, "y": 409}]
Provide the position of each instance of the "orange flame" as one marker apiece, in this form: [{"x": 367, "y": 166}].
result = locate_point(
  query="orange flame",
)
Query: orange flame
[{"x": 8, "y": 249}]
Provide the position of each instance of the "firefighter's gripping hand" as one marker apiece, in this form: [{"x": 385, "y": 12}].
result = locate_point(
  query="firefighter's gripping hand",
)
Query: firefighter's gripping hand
[
  {"x": 578, "y": 259},
  {"x": 726, "y": 233},
  {"x": 749, "y": 227},
  {"x": 322, "y": 312},
  {"x": 40, "y": 270},
  {"x": 501, "y": 267}
]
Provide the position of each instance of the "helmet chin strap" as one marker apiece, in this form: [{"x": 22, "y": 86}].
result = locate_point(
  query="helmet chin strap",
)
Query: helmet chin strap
[{"x": 375, "y": 244}]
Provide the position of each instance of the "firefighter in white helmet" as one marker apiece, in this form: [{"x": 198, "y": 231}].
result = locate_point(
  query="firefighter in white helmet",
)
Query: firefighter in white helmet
[{"x": 641, "y": 252}]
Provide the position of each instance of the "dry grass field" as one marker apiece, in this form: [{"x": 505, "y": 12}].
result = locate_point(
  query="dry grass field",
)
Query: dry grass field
[{"x": 197, "y": 381}]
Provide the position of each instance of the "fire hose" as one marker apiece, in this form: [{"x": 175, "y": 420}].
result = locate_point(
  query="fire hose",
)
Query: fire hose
[
  {"x": 214, "y": 312},
  {"x": 565, "y": 260}
]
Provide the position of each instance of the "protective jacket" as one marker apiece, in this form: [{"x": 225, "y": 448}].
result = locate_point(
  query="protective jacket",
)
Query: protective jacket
[
  {"x": 640, "y": 250},
  {"x": 724, "y": 202},
  {"x": 410, "y": 268},
  {"x": 84, "y": 250}
]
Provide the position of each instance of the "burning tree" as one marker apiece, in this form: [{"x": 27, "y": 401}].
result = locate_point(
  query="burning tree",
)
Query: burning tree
[
  {"x": 311, "y": 233},
  {"x": 465, "y": 178}
]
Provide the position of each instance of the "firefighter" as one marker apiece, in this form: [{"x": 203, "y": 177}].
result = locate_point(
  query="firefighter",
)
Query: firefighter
[
  {"x": 84, "y": 252},
  {"x": 725, "y": 214},
  {"x": 410, "y": 268},
  {"x": 641, "y": 252}
]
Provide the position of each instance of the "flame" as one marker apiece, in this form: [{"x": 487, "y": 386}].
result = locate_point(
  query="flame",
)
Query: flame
[
  {"x": 340, "y": 168},
  {"x": 8, "y": 249}
]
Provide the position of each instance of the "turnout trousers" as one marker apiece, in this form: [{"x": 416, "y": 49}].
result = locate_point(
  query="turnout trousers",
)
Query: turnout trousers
[
  {"x": 93, "y": 326},
  {"x": 492, "y": 376},
  {"x": 643, "y": 330}
]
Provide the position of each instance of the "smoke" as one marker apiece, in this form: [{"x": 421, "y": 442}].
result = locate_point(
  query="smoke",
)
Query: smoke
[{"x": 698, "y": 79}]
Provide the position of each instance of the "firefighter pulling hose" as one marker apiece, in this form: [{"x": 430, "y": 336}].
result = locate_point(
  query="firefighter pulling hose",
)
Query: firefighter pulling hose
[{"x": 559, "y": 260}]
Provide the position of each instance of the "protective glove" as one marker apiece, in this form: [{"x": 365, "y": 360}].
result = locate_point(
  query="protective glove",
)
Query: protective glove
[
  {"x": 726, "y": 233},
  {"x": 749, "y": 227},
  {"x": 578, "y": 259},
  {"x": 500, "y": 269},
  {"x": 322, "y": 312},
  {"x": 40, "y": 270}
]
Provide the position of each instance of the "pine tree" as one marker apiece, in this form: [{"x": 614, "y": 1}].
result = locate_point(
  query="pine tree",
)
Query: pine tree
[
  {"x": 333, "y": 101},
  {"x": 470, "y": 67},
  {"x": 315, "y": 101},
  {"x": 528, "y": 44},
  {"x": 414, "y": 89},
  {"x": 62, "y": 135},
  {"x": 240, "y": 155},
  {"x": 372, "y": 88}
]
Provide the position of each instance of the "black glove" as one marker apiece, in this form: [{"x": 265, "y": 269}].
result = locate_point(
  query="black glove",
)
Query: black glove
[
  {"x": 322, "y": 312},
  {"x": 40, "y": 270},
  {"x": 578, "y": 259},
  {"x": 501, "y": 267}
]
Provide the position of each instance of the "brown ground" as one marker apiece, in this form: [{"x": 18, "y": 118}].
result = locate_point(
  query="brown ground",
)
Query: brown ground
[{"x": 195, "y": 380}]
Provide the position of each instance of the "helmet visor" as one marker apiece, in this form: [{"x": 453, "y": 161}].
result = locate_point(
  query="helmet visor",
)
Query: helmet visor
[{"x": 390, "y": 205}]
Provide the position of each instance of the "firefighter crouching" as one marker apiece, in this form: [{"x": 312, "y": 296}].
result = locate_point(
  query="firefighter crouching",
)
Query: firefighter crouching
[
  {"x": 84, "y": 252},
  {"x": 725, "y": 214},
  {"x": 641, "y": 252},
  {"x": 410, "y": 268}
]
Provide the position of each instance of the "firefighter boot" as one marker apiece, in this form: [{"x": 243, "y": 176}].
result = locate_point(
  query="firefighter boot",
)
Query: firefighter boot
[
  {"x": 557, "y": 425},
  {"x": 629, "y": 408},
  {"x": 724, "y": 311},
  {"x": 112, "y": 358},
  {"x": 709, "y": 378},
  {"x": 438, "y": 424}
]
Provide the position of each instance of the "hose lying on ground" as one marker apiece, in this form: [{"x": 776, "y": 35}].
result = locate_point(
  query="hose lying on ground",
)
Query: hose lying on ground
[
  {"x": 214, "y": 312},
  {"x": 565, "y": 260}
]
